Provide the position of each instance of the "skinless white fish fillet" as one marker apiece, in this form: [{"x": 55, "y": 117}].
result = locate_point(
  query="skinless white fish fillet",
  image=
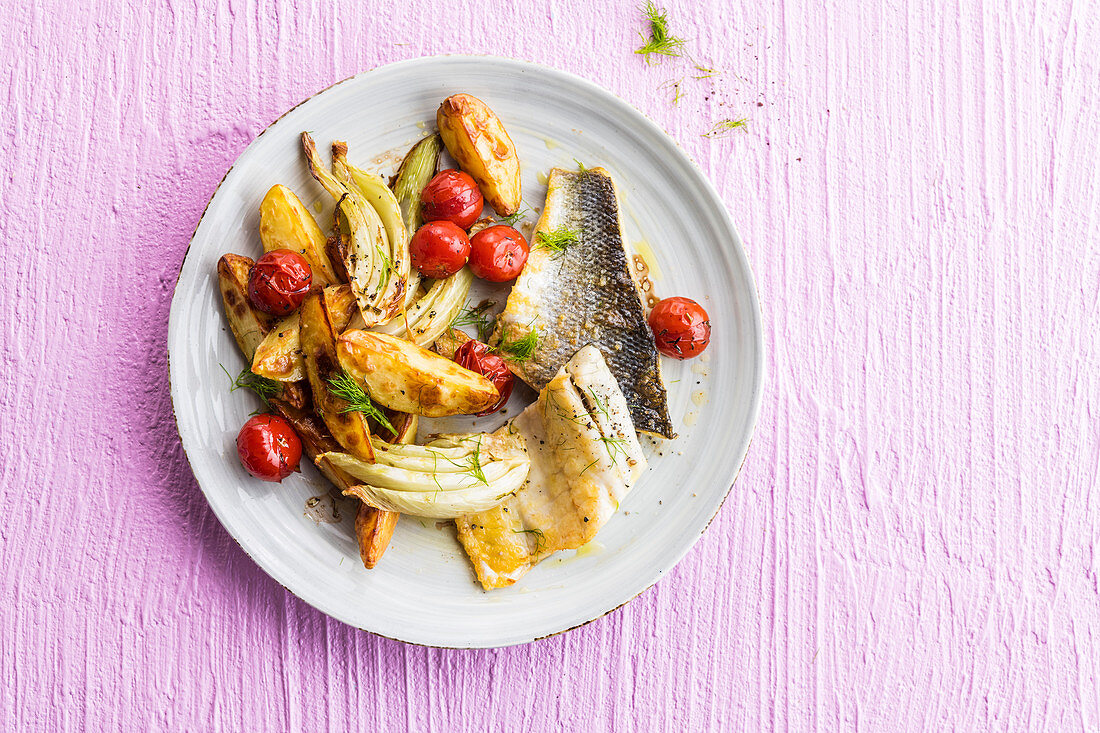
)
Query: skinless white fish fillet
[{"x": 585, "y": 457}]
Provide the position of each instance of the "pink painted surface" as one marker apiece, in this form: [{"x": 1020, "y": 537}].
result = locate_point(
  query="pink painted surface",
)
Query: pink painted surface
[{"x": 913, "y": 539}]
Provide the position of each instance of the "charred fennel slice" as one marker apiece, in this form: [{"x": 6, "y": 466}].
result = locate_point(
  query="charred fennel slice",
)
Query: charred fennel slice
[
  {"x": 444, "y": 479},
  {"x": 378, "y": 286}
]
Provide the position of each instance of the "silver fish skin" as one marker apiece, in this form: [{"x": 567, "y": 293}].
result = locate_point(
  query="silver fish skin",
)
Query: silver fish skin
[{"x": 586, "y": 294}]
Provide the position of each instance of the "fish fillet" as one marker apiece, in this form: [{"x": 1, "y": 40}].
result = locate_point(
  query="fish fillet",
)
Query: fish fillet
[
  {"x": 586, "y": 294},
  {"x": 585, "y": 457}
]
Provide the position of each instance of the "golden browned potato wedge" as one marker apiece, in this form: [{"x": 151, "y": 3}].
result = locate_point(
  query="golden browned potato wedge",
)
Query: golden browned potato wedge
[
  {"x": 279, "y": 355},
  {"x": 318, "y": 342},
  {"x": 247, "y": 323},
  {"x": 285, "y": 223},
  {"x": 475, "y": 137},
  {"x": 341, "y": 305},
  {"x": 373, "y": 530},
  {"x": 402, "y": 376}
]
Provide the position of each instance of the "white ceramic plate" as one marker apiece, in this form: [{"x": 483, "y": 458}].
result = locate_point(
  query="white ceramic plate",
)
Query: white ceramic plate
[{"x": 424, "y": 590}]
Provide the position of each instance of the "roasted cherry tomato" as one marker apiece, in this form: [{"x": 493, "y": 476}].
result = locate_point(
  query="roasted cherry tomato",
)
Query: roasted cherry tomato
[
  {"x": 439, "y": 249},
  {"x": 498, "y": 253},
  {"x": 477, "y": 357},
  {"x": 279, "y": 281},
  {"x": 269, "y": 448},
  {"x": 681, "y": 327},
  {"x": 452, "y": 196}
]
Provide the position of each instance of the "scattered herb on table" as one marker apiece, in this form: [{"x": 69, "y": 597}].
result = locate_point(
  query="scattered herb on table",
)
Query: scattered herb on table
[
  {"x": 725, "y": 127},
  {"x": 659, "y": 42}
]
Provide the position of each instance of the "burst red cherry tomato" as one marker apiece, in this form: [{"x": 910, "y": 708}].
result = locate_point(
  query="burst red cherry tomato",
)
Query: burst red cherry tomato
[
  {"x": 439, "y": 249},
  {"x": 681, "y": 327},
  {"x": 477, "y": 357},
  {"x": 452, "y": 196},
  {"x": 269, "y": 448},
  {"x": 279, "y": 281},
  {"x": 498, "y": 253}
]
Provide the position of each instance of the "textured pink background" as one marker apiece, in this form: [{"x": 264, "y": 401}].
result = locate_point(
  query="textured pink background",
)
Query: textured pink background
[{"x": 914, "y": 536}]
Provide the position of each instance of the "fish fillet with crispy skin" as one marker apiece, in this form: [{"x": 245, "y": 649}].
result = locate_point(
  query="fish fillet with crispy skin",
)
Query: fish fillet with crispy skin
[{"x": 585, "y": 293}]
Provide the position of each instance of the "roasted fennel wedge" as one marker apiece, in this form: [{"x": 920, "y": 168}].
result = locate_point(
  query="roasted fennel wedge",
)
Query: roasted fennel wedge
[
  {"x": 440, "y": 483},
  {"x": 417, "y": 169},
  {"x": 431, "y": 314},
  {"x": 375, "y": 191},
  {"x": 368, "y": 259}
]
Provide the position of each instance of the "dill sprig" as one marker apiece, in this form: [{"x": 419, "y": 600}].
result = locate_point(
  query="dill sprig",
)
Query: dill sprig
[
  {"x": 659, "y": 42},
  {"x": 539, "y": 537},
  {"x": 344, "y": 386},
  {"x": 705, "y": 72},
  {"x": 677, "y": 92},
  {"x": 520, "y": 349},
  {"x": 471, "y": 466},
  {"x": 477, "y": 317},
  {"x": 725, "y": 127},
  {"x": 264, "y": 388},
  {"x": 557, "y": 240},
  {"x": 581, "y": 167},
  {"x": 511, "y": 219},
  {"x": 614, "y": 445}
]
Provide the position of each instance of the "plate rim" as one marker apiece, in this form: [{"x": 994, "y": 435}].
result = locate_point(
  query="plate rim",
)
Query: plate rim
[{"x": 755, "y": 322}]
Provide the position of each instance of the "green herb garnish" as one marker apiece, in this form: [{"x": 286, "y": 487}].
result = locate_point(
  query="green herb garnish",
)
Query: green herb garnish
[
  {"x": 705, "y": 72},
  {"x": 511, "y": 219},
  {"x": 659, "y": 42},
  {"x": 614, "y": 445},
  {"x": 264, "y": 388},
  {"x": 724, "y": 127},
  {"x": 472, "y": 466},
  {"x": 344, "y": 386},
  {"x": 520, "y": 349},
  {"x": 478, "y": 318},
  {"x": 677, "y": 92},
  {"x": 557, "y": 240},
  {"x": 387, "y": 265},
  {"x": 539, "y": 537}
]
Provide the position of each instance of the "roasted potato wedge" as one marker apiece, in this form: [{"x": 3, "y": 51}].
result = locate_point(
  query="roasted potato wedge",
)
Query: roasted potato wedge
[
  {"x": 318, "y": 342},
  {"x": 475, "y": 137},
  {"x": 373, "y": 530},
  {"x": 248, "y": 324},
  {"x": 279, "y": 355},
  {"x": 402, "y": 376},
  {"x": 285, "y": 223}
]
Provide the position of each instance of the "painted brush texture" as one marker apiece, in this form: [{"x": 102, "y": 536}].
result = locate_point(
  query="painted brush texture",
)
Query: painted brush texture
[{"x": 914, "y": 537}]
